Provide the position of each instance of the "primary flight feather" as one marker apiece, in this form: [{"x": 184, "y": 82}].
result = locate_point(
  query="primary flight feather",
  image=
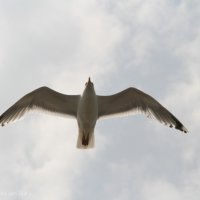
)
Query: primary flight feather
[{"x": 89, "y": 107}]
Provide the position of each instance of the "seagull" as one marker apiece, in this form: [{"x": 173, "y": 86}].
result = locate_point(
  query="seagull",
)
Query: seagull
[{"x": 89, "y": 107}]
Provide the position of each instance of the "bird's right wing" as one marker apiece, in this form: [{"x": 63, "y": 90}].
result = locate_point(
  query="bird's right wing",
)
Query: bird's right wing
[
  {"x": 42, "y": 98},
  {"x": 133, "y": 101}
]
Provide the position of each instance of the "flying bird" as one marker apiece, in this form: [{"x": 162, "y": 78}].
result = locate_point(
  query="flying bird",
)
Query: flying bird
[{"x": 89, "y": 107}]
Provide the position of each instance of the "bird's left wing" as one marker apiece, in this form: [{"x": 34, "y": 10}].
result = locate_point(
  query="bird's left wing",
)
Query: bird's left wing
[
  {"x": 42, "y": 98},
  {"x": 133, "y": 100}
]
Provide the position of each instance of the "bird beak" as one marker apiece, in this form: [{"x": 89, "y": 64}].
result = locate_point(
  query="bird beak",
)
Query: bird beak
[{"x": 89, "y": 80}]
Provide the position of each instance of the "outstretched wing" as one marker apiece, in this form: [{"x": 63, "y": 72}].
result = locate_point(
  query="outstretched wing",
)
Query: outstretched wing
[
  {"x": 133, "y": 100},
  {"x": 42, "y": 98}
]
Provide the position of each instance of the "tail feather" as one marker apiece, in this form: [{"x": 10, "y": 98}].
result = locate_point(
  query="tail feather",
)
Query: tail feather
[{"x": 85, "y": 141}]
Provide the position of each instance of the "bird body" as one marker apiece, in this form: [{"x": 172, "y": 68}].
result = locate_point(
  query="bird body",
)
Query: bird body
[
  {"x": 89, "y": 107},
  {"x": 87, "y": 115}
]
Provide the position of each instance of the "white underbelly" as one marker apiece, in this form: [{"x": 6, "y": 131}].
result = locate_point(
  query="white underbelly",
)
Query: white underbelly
[{"x": 87, "y": 112}]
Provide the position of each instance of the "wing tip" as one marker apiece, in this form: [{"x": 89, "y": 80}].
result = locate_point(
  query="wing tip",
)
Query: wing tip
[
  {"x": 179, "y": 126},
  {"x": 182, "y": 128},
  {"x": 2, "y": 124},
  {"x": 1, "y": 121}
]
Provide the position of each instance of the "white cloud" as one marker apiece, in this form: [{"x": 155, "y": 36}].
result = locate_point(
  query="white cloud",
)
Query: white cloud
[
  {"x": 163, "y": 189},
  {"x": 150, "y": 45}
]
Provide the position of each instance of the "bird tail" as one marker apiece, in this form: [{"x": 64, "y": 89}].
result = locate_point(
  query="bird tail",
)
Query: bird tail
[{"x": 85, "y": 141}]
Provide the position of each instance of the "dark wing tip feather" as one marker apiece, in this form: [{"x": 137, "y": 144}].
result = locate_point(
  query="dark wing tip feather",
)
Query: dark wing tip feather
[
  {"x": 1, "y": 120},
  {"x": 1, "y": 123},
  {"x": 181, "y": 128},
  {"x": 179, "y": 125}
]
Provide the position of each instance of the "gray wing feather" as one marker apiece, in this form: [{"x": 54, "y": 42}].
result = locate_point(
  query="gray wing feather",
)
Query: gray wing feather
[
  {"x": 42, "y": 98},
  {"x": 133, "y": 100}
]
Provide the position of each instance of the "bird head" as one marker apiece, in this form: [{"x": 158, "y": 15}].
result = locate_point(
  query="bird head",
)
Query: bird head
[{"x": 89, "y": 83}]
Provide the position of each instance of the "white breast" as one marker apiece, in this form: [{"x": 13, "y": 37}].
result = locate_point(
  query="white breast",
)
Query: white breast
[{"x": 87, "y": 112}]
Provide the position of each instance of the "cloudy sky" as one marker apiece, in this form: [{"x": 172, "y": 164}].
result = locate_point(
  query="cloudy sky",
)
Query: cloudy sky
[{"x": 151, "y": 45}]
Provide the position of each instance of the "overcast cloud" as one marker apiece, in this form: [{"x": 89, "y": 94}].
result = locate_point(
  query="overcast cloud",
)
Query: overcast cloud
[{"x": 151, "y": 45}]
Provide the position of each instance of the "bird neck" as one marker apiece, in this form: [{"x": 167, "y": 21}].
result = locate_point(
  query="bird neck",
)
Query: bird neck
[{"x": 89, "y": 91}]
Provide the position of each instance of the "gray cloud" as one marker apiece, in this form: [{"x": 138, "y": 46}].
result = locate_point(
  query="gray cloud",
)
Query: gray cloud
[{"x": 153, "y": 46}]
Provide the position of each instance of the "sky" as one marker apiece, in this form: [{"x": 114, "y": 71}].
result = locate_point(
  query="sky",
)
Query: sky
[{"x": 151, "y": 45}]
